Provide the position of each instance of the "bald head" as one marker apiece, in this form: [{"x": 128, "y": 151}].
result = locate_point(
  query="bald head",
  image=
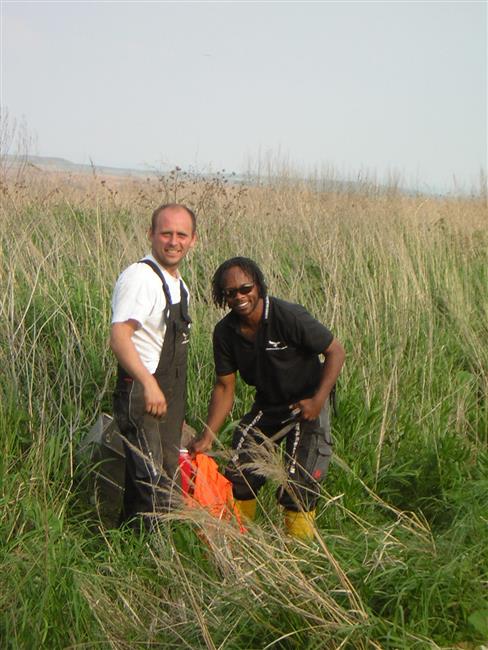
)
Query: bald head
[{"x": 172, "y": 207}]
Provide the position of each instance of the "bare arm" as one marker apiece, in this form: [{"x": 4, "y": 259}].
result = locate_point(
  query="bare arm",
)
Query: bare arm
[
  {"x": 334, "y": 359},
  {"x": 219, "y": 408},
  {"x": 128, "y": 357}
]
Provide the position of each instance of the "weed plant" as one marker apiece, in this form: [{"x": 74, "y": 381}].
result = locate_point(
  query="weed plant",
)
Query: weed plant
[{"x": 400, "y": 558}]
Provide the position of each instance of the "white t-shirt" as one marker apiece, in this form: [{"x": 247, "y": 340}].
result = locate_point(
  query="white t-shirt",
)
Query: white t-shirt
[{"x": 139, "y": 295}]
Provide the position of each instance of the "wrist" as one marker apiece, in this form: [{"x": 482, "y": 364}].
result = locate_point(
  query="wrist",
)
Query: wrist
[
  {"x": 148, "y": 380},
  {"x": 207, "y": 435},
  {"x": 320, "y": 397}
]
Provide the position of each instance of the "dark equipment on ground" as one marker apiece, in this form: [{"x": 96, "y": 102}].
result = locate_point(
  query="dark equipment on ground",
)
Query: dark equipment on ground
[{"x": 101, "y": 457}]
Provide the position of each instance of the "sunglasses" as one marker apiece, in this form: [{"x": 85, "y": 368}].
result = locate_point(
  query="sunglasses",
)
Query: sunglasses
[{"x": 243, "y": 289}]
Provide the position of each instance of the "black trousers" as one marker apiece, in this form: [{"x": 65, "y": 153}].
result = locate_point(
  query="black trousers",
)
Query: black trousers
[
  {"x": 151, "y": 453},
  {"x": 308, "y": 450}
]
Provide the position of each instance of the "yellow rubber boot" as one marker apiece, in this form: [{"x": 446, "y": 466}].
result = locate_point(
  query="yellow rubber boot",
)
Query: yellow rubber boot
[
  {"x": 300, "y": 524},
  {"x": 247, "y": 509}
]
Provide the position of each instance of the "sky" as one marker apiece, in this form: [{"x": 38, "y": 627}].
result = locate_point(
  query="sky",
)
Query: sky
[{"x": 370, "y": 89}]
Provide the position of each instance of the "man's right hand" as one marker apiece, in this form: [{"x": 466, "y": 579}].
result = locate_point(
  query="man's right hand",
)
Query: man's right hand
[
  {"x": 200, "y": 444},
  {"x": 128, "y": 357},
  {"x": 154, "y": 399}
]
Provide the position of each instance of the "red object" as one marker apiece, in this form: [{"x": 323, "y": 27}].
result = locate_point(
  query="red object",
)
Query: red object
[
  {"x": 187, "y": 470},
  {"x": 203, "y": 485}
]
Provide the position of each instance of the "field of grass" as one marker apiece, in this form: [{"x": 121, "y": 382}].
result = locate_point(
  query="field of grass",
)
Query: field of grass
[{"x": 401, "y": 555}]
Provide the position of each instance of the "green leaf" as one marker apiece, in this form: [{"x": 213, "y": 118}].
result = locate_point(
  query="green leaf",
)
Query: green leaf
[{"x": 479, "y": 620}]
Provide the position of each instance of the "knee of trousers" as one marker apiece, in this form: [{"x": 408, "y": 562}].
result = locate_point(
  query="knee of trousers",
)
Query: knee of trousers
[
  {"x": 245, "y": 483},
  {"x": 151, "y": 484}
]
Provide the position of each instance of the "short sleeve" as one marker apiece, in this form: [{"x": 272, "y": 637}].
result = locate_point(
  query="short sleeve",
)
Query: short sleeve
[
  {"x": 136, "y": 294},
  {"x": 309, "y": 333},
  {"x": 224, "y": 358}
]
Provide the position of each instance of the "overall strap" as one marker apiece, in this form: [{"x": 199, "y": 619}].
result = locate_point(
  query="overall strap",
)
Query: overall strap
[
  {"x": 184, "y": 303},
  {"x": 166, "y": 291},
  {"x": 183, "y": 293}
]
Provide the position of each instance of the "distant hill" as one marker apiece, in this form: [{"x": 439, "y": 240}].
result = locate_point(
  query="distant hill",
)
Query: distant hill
[
  {"x": 54, "y": 164},
  {"x": 51, "y": 163}
]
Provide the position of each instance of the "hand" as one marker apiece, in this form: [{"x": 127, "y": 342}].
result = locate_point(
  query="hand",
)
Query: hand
[
  {"x": 309, "y": 408},
  {"x": 154, "y": 399},
  {"x": 200, "y": 444}
]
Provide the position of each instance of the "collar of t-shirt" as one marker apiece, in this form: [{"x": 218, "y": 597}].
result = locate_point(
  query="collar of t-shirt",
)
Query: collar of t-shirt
[
  {"x": 173, "y": 281},
  {"x": 236, "y": 323}
]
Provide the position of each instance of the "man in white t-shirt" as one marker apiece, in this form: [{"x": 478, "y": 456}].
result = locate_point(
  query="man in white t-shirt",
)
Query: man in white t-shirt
[{"x": 149, "y": 336}]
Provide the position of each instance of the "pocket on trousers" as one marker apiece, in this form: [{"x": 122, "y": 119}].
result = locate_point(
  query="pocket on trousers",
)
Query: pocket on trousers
[{"x": 319, "y": 456}]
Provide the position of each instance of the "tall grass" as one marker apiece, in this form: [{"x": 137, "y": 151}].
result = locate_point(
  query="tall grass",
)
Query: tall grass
[{"x": 400, "y": 558}]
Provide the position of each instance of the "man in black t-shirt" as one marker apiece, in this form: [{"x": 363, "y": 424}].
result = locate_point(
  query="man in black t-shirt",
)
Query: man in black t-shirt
[{"x": 276, "y": 347}]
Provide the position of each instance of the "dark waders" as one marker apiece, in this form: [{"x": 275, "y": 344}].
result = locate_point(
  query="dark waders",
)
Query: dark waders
[{"x": 152, "y": 444}]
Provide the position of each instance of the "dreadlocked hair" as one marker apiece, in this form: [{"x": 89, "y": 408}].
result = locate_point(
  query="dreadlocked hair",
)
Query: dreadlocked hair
[{"x": 246, "y": 265}]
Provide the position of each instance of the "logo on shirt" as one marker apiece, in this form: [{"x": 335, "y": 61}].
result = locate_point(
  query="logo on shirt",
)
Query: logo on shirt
[
  {"x": 186, "y": 338},
  {"x": 276, "y": 345}
]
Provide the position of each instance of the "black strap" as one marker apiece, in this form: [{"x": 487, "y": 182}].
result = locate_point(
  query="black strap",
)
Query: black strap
[
  {"x": 183, "y": 291},
  {"x": 158, "y": 272},
  {"x": 184, "y": 303}
]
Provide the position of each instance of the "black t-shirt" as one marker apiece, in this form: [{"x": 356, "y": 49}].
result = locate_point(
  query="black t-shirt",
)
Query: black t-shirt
[{"x": 283, "y": 362}]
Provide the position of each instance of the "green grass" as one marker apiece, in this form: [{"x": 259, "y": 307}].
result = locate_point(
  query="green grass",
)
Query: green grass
[{"x": 401, "y": 558}]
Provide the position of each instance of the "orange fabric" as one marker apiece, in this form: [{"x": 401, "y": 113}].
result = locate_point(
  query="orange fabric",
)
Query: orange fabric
[{"x": 211, "y": 490}]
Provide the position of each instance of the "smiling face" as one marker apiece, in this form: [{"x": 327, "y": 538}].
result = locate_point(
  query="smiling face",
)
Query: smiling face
[
  {"x": 248, "y": 306},
  {"x": 172, "y": 238}
]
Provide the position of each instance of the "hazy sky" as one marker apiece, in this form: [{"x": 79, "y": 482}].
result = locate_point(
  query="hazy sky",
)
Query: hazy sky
[{"x": 355, "y": 86}]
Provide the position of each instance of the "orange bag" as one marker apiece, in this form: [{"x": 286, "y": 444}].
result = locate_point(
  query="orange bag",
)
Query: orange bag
[{"x": 203, "y": 485}]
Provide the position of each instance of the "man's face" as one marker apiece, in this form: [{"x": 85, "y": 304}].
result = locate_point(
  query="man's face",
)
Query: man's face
[
  {"x": 241, "y": 293},
  {"x": 172, "y": 238}
]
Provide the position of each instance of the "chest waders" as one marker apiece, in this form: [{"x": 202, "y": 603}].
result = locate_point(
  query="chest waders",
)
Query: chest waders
[{"x": 152, "y": 444}]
